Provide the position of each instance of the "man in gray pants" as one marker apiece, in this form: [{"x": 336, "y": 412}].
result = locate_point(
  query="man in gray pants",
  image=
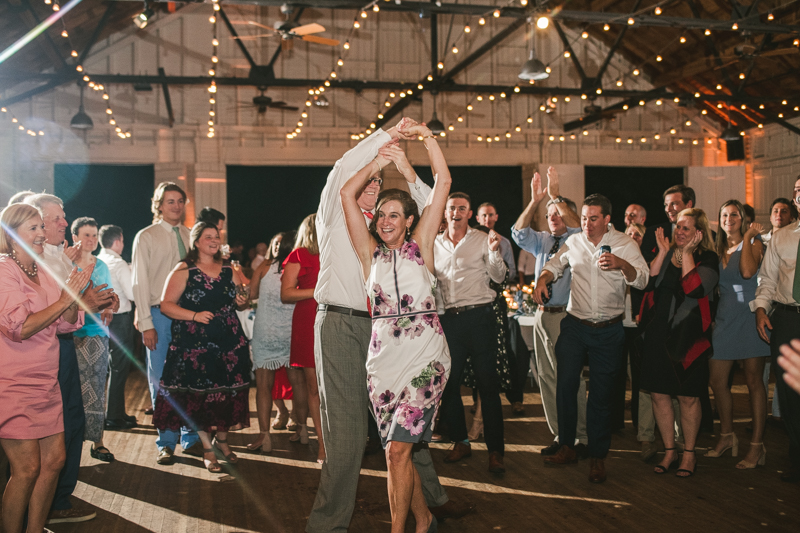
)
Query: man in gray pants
[{"x": 342, "y": 334}]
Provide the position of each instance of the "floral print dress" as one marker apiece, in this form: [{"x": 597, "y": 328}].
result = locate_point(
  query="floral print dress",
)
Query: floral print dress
[
  {"x": 408, "y": 361},
  {"x": 206, "y": 379}
]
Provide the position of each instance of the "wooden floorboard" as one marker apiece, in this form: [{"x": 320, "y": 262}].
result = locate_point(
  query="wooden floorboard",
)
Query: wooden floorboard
[{"x": 274, "y": 493}]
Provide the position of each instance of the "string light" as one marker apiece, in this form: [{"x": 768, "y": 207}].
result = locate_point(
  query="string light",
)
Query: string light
[{"x": 606, "y": 27}]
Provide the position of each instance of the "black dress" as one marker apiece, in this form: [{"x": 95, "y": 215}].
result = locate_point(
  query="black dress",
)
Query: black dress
[
  {"x": 206, "y": 378},
  {"x": 678, "y": 312}
]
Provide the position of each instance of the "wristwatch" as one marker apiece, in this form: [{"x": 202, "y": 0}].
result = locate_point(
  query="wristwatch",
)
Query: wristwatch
[{"x": 558, "y": 200}]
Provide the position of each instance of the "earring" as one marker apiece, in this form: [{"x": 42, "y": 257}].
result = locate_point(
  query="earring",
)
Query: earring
[{"x": 408, "y": 232}]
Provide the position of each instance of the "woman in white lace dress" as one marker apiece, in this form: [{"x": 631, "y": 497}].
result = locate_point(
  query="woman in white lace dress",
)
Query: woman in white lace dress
[{"x": 408, "y": 361}]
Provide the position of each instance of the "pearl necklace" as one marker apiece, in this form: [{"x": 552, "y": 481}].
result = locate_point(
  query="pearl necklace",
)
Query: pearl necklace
[
  {"x": 32, "y": 272},
  {"x": 679, "y": 256}
]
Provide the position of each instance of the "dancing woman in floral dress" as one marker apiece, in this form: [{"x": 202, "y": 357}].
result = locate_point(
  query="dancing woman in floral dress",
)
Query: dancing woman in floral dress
[{"x": 408, "y": 361}]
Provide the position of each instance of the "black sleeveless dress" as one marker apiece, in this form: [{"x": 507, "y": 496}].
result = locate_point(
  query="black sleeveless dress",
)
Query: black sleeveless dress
[{"x": 206, "y": 378}]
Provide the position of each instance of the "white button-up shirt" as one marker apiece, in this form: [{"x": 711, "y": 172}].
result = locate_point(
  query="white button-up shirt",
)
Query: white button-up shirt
[
  {"x": 120, "y": 278},
  {"x": 155, "y": 254},
  {"x": 340, "y": 281},
  {"x": 60, "y": 266},
  {"x": 598, "y": 295},
  {"x": 463, "y": 270},
  {"x": 776, "y": 277}
]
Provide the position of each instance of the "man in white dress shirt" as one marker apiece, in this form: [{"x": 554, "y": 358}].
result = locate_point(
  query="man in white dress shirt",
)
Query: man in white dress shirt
[
  {"x": 603, "y": 262},
  {"x": 120, "y": 343},
  {"x": 156, "y": 250},
  {"x": 487, "y": 216},
  {"x": 777, "y": 308},
  {"x": 58, "y": 259},
  {"x": 465, "y": 261},
  {"x": 341, "y": 341}
]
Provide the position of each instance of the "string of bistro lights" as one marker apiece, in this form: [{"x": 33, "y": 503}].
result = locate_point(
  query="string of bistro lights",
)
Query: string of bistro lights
[
  {"x": 548, "y": 105},
  {"x": 212, "y": 71},
  {"x": 123, "y": 134}
]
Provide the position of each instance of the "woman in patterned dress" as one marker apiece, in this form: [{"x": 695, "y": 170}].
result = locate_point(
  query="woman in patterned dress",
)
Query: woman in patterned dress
[
  {"x": 408, "y": 361},
  {"x": 206, "y": 379}
]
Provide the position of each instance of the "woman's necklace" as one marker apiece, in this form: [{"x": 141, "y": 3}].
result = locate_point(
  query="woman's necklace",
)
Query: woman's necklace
[
  {"x": 32, "y": 272},
  {"x": 678, "y": 256}
]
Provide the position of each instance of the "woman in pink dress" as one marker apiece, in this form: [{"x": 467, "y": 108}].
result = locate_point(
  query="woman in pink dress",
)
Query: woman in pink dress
[{"x": 33, "y": 308}]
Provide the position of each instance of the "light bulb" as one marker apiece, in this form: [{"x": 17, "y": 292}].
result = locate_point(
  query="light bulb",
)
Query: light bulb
[{"x": 467, "y": 29}]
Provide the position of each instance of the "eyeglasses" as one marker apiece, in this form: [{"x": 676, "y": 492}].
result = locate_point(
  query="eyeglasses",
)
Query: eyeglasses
[{"x": 377, "y": 180}]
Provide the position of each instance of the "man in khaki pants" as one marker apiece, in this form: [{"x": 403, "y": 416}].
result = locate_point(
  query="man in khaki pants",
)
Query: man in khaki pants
[{"x": 562, "y": 221}]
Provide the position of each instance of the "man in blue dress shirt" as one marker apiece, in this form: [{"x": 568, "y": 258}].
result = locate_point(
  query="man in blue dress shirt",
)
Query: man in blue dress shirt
[{"x": 562, "y": 221}]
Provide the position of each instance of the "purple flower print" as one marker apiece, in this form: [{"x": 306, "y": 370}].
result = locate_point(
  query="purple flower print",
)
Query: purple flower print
[
  {"x": 425, "y": 396},
  {"x": 410, "y": 251},
  {"x": 385, "y": 398},
  {"x": 404, "y": 396},
  {"x": 428, "y": 304},
  {"x": 382, "y": 304},
  {"x": 405, "y": 303},
  {"x": 410, "y": 418},
  {"x": 374, "y": 343},
  {"x": 416, "y": 331},
  {"x": 396, "y": 333},
  {"x": 383, "y": 252}
]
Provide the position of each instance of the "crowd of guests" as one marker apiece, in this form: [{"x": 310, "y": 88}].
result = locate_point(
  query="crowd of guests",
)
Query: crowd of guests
[{"x": 378, "y": 301}]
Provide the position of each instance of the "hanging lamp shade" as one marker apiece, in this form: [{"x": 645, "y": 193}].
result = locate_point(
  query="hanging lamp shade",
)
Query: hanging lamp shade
[
  {"x": 81, "y": 121},
  {"x": 533, "y": 69}
]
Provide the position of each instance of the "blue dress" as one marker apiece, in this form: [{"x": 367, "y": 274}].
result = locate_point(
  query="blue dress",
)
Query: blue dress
[{"x": 735, "y": 335}]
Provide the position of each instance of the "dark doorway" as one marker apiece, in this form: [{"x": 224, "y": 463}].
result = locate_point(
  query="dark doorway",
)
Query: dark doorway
[
  {"x": 501, "y": 186},
  {"x": 111, "y": 194},
  {"x": 633, "y": 185},
  {"x": 263, "y": 201}
]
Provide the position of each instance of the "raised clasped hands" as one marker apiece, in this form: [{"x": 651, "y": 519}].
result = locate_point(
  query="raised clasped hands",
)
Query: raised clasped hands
[
  {"x": 404, "y": 128},
  {"x": 754, "y": 229},
  {"x": 494, "y": 241}
]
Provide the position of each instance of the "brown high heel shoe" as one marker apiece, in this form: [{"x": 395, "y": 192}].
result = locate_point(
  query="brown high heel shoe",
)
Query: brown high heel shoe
[
  {"x": 734, "y": 447},
  {"x": 762, "y": 458},
  {"x": 230, "y": 457}
]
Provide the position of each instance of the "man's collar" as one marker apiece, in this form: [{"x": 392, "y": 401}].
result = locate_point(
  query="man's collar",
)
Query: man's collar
[
  {"x": 54, "y": 248},
  {"x": 110, "y": 252},
  {"x": 167, "y": 226}
]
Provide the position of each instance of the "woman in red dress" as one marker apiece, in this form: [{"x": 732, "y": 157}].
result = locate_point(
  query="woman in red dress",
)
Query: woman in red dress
[{"x": 300, "y": 271}]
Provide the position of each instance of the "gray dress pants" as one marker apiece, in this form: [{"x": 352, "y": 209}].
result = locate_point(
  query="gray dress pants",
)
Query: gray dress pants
[{"x": 341, "y": 343}]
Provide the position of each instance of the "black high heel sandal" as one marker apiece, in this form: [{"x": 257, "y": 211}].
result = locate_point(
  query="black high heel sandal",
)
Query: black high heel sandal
[
  {"x": 686, "y": 473},
  {"x": 660, "y": 469}
]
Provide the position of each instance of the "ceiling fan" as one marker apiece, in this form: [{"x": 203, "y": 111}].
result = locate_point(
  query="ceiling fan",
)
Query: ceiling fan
[
  {"x": 288, "y": 31},
  {"x": 263, "y": 102}
]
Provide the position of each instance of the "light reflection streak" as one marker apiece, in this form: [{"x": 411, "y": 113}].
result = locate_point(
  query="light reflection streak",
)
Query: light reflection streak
[{"x": 38, "y": 30}]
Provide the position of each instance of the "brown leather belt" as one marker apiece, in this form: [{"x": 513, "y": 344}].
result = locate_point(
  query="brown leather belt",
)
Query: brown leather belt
[
  {"x": 457, "y": 310},
  {"x": 553, "y": 309},
  {"x": 602, "y": 324},
  {"x": 787, "y": 308},
  {"x": 343, "y": 310}
]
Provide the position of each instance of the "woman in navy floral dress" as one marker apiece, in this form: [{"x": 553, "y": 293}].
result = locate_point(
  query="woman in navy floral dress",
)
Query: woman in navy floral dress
[
  {"x": 408, "y": 360},
  {"x": 206, "y": 378}
]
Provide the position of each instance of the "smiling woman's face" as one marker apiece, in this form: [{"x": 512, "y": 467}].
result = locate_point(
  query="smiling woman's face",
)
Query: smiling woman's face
[{"x": 31, "y": 235}]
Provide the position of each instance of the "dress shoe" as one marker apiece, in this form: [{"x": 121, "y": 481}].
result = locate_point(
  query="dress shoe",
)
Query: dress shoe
[
  {"x": 496, "y": 463},
  {"x": 564, "y": 456},
  {"x": 117, "y": 424},
  {"x": 148, "y": 411},
  {"x": 101, "y": 454},
  {"x": 581, "y": 450},
  {"x": 457, "y": 452},
  {"x": 597, "y": 470},
  {"x": 66, "y": 516},
  {"x": 792, "y": 475},
  {"x": 130, "y": 418},
  {"x": 165, "y": 456},
  {"x": 649, "y": 450},
  {"x": 517, "y": 409},
  {"x": 552, "y": 449},
  {"x": 452, "y": 510},
  {"x": 195, "y": 449},
  {"x": 438, "y": 437}
]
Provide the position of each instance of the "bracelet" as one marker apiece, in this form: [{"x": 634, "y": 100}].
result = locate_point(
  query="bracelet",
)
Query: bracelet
[
  {"x": 431, "y": 136},
  {"x": 377, "y": 163},
  {"x": 194, "y": 315}
]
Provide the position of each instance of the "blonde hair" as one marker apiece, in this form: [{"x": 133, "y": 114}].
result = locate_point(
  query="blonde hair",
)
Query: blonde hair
[
  {"x": 640, "y": 229},
  {"x": 701, "y": 223},
  {"x": 307, "y": 235},
  {"x": 12, "y": 218}
]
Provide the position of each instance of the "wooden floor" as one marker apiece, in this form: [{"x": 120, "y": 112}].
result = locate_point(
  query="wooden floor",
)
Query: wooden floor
[{"x": 274, "y": 493}]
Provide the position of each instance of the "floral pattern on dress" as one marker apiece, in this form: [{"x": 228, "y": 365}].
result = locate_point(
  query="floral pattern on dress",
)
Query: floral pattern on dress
[{"x": 409, "y": 407}]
